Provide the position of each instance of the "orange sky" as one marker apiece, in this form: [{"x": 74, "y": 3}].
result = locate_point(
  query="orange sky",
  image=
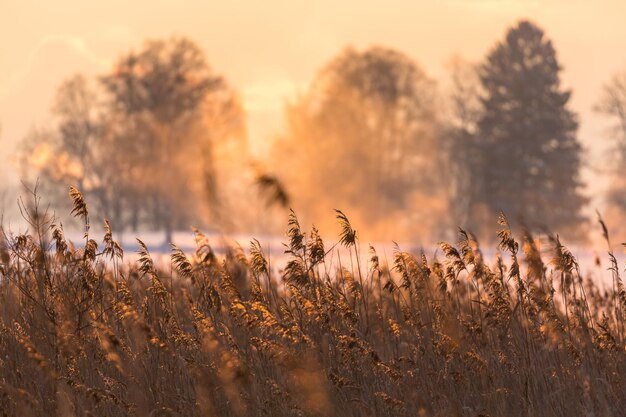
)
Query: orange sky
[{"x": 270, "y": 49}]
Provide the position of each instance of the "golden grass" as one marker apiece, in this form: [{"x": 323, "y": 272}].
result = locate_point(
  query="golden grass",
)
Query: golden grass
[{"x": 82, "y": 335}]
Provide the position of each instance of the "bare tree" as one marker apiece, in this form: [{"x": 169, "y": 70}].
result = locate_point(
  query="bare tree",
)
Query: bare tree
[
  {"x": 364, "y": 136},
  {"x": 143, "y": 145},
  {"x": 460, "y": 133},
  {"x": 612, "y": 104},
  {"x": 67, "y": 152},
  {"x": 161, "y": 89}
]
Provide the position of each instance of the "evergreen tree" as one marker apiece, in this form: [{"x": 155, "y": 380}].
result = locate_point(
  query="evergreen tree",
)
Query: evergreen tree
[{"x": 530, "y": 155}]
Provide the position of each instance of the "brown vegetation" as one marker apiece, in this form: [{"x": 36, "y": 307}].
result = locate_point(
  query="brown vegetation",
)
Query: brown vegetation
[{"x": 82, "y": 335}]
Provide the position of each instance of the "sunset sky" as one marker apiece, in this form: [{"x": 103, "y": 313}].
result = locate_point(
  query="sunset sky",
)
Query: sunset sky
[{"x": 270, "y": 49}]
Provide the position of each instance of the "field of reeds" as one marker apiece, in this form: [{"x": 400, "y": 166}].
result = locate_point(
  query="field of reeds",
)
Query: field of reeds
[{"x": 84, "y": 333}]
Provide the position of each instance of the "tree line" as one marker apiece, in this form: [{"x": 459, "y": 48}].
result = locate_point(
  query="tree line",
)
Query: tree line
[
  {"x": 145, "y": 142},
  {"x": 160, "y": 142}
]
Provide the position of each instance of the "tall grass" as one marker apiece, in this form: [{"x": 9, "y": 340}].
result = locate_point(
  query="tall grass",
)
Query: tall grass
[{"x": 83, "y": 334}]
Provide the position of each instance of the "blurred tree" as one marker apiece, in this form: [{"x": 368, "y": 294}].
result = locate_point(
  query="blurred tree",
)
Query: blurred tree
[
  {"x": 612, "y": 103},
  {"x": 530, "y": 155},
  {"x": 363, "y": 137},
  {"x": 68, "y": 152},
  {"x": 160, "y": 90},
  {"x": 186, "y": 122},
  {"x": 225, "y": 174},
  {"x": 145, "y": 145},
  {"x": 459, "y": 132}
]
